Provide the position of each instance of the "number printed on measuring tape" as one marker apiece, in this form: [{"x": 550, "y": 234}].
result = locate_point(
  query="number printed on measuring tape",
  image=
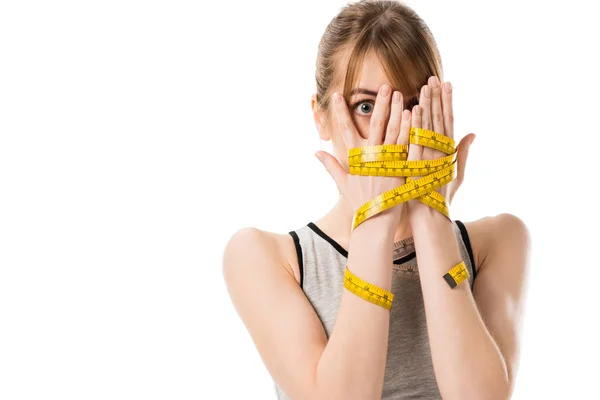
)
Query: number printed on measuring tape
[
  {"x": 456, "y": 275},
  {"x": 368, "y": 291}
]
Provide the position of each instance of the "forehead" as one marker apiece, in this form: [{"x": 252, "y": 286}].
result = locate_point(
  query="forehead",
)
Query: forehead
[{"x": 372, "y": 75}]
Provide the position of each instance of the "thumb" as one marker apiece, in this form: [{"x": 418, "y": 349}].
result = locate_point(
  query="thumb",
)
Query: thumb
[
  {"x": 463, "y": 152},
  {"x": 334, "y": 168}
]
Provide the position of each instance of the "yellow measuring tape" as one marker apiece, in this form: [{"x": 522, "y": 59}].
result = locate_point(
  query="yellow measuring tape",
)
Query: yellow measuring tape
[
  {"x": 456, "y": 275},
  {"x": 391, "y": 160},
  {"x": 368, "y": 291}
]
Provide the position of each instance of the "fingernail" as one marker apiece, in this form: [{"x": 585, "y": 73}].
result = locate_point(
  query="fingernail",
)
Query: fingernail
[
  {"x": 319, "y": 156},
  {"x": 384, "y": 90},
  {"x": 337, "y": 98},
  {"x": 396, "y": 97},
  {"x": 447, "y": 87},
  {"x": 472, "y": 140},
  {"x": 427, "y": 91}
]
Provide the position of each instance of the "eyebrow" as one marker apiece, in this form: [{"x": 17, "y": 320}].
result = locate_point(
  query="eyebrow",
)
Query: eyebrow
[{"x": 363, "y": 91}]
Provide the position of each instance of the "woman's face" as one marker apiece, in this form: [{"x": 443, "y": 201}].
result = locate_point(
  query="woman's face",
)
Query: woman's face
[{"x": 360, "y": 106}]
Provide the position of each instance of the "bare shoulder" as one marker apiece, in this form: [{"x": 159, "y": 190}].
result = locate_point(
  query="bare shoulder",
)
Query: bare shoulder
[
  {"x": 500, "y": 287},
  {"x": 252, "y": 244},
  {"x": 283, "y": 324},
  {"x": 494, "y": 234}
]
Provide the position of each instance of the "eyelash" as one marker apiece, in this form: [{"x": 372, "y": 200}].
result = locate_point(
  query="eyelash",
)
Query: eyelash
[
  {"x": 357, "y": 104},
  {"x": 411, "y": 103}
]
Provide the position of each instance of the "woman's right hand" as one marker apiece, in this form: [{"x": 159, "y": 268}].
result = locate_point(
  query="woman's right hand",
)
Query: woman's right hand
[{"x": 395, "y": 123}]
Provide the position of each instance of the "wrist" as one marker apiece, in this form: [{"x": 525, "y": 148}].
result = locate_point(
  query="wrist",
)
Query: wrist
[
  {"x": 425, "y": 218},
  {"x": 381, "y": 226}
]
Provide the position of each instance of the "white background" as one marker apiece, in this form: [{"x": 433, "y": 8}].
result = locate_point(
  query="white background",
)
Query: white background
[{"x": 137, "y": 137}]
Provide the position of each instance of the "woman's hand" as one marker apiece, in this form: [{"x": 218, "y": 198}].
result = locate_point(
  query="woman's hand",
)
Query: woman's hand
[
  {"x": 358, "y": 189},
  {"x": 434, "y": 112}
]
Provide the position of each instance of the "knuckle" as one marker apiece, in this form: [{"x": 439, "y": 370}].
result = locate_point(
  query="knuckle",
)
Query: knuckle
[
  {"x": 392, "y": 134},
  {"x": 377, "y": 123},
  {"x": 393, "y": 126},
  {"x": 403, "y": 138}
]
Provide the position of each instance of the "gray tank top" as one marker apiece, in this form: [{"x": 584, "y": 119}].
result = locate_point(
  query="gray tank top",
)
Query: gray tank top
[{"x": 409, "y": 370}]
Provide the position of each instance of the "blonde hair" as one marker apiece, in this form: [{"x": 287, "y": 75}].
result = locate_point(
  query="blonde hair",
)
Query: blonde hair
[{"x": 400, "y": 38}]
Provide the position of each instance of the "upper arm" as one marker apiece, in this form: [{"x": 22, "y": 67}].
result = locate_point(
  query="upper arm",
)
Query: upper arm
[
  {"x": 501, "y": 282},
  {"x": 281, "y": 321}
]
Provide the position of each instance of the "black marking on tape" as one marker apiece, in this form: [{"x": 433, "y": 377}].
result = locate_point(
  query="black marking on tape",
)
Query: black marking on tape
[{"x": 450, "y": 280}]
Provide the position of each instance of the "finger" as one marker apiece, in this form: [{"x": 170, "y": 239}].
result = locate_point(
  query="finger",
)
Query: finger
[
  {"x": 437, "y": 118},
  {"x": 425, "y": 103},
  {"x": 380, "y": 116},
  {"x": 447, "y": 109},
  {"x": 461, "y": 157},
  {"x": 404, "y": 127},
  {"x": 415, "y": 151},
  {"x": 334, "y": 168},
  {"x": 346, "y": 125},
  {"x": 393, "y": 127}
]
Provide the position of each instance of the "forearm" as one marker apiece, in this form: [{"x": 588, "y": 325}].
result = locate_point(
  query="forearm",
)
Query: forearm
[
  {"x": 466, "y": 359},
  {"x": 353, "y": 363}
]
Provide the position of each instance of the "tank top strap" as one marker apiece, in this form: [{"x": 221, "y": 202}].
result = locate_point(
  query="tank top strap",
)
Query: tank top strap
[
  {"x": 466, "y": 252},
  {"x": 314, "y": 246},
  {"x": 316, "y": 250}
]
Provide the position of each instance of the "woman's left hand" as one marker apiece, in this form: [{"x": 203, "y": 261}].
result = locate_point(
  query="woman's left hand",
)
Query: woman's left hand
[{"x": 434, "y": 112}]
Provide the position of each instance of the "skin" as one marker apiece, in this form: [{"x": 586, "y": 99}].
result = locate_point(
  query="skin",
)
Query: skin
[{"x": 473, "y": 333}]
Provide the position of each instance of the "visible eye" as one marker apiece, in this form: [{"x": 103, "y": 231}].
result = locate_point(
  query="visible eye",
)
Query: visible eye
[{"x": 364, "y": 106}]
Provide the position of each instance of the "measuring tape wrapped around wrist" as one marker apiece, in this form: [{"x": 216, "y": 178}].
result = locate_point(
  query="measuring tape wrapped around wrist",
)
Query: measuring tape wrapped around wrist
[
  {"x": 391, "y": 160},
  {"x": 368, "y": 291}
]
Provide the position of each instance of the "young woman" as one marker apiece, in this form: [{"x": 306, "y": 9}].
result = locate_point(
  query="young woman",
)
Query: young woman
[{"x": 320, "y": 340}]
